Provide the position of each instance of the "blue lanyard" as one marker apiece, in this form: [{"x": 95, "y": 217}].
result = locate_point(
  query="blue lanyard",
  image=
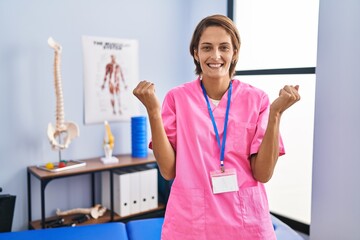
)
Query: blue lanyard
[{"x": 221, "y": 146}]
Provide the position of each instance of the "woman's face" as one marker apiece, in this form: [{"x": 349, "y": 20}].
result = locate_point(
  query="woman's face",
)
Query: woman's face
[{"x": 215, "y": 53}]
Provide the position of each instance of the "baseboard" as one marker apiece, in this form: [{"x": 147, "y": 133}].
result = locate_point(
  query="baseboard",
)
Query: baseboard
[{"x": 298, "y": 226}]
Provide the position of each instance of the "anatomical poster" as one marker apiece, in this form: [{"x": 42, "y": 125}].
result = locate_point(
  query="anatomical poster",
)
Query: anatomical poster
[{"x": 110, "y": 74}]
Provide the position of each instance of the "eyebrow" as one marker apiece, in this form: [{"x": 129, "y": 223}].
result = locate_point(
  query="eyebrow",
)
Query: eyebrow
[{"x": 208, "y": 43}]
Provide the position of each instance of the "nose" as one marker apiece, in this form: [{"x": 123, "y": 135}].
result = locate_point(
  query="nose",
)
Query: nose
[{"x": 216, "y": 54}]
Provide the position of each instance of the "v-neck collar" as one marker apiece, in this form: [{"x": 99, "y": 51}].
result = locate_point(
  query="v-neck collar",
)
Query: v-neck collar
[
  {"x": 235, "y": 91},
  {"x": 221, "y": 107}
]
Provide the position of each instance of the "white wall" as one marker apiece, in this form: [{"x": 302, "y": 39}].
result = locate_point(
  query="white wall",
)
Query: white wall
[
  {"x": 27, "y": 101},
  {"x": 336, "y": 190},
  {"x": 289, "y": 190}
]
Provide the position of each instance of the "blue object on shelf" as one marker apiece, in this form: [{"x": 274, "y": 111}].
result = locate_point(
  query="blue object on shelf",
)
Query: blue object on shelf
[{"x": 139, "y": 147}]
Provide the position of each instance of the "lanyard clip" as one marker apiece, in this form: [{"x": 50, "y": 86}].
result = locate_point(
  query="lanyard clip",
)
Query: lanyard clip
[{"x": 222, "y": 168}]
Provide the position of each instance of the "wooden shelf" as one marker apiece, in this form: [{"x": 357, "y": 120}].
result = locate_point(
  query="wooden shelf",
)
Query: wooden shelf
[
  {"x": 103, "y": 219},
  {"x": 92, "y": 165}
]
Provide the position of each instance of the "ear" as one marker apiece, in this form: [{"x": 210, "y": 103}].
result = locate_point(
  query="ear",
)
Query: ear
[
  {"x": 196, "y": 55},
  {"x": 235, "y": 56}
]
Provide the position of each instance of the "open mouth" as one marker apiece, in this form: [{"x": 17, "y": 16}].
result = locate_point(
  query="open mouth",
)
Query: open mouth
[{"x": 215, "y": 65}]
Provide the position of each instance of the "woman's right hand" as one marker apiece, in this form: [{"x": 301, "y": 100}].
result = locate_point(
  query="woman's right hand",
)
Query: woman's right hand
[{"x": 145, "y": 92}]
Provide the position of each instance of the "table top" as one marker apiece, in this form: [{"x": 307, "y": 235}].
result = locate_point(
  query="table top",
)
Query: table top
[{"x": 92, "y": 165}]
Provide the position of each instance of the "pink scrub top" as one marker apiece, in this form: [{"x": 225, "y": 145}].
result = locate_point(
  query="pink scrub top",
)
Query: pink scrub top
[{"x": 193, "y": 211}]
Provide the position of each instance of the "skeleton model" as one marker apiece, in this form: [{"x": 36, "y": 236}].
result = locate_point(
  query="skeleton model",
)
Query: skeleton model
[
  {"x": 95, "y": 212},
  {"x": 64, "y": 131}
]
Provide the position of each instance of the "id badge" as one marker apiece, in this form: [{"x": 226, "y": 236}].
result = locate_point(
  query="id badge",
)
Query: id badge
[{"x": 224, "y": 181}]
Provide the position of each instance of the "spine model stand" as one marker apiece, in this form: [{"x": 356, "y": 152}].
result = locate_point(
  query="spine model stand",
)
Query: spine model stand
[{"x": 64, "y": 131}]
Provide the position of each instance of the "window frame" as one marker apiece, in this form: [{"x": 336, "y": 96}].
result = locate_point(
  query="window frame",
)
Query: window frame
[
  {"x": 303, "y": 70},
  {"x": 302, "y": 227}
]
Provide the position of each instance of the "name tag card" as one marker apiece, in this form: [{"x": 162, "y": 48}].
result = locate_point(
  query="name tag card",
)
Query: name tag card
[{"x": 224, "y": 181}]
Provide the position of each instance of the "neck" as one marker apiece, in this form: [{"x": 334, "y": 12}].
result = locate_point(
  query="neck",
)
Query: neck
[{"x": 216, "y": 88}]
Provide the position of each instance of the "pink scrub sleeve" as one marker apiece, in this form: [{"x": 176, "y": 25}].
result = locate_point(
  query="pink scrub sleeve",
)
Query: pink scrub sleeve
[
  {"x": 169, "y": 119},
  {"x": 261, "y": 128}
]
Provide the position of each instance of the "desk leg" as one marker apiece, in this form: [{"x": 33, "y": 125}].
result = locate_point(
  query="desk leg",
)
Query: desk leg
[
  {"x": 43, "y": 185},
  {"x": 112, "y": 195},
  {"x": 29, "y": 198},
  {"x": 93, "y": 188}
]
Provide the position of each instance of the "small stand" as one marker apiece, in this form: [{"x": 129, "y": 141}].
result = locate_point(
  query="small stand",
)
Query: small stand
[{"x": 108, "y": 159}]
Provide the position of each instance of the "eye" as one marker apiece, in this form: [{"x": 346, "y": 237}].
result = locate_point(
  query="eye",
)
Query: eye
[
  {"x": 224, "y": 48},
  {"x": 206, "y": 48}
]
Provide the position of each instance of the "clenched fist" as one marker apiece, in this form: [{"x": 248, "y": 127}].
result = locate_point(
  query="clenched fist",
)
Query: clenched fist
[
  {"x": 288, "y": 95},
  {"x": 145, "y": 92}
]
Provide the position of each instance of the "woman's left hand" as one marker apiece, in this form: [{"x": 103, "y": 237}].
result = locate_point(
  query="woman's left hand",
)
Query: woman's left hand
[{"x": 288, "y": 95}]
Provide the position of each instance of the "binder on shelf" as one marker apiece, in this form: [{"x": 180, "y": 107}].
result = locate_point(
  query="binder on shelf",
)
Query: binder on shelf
[
  {"x": 148, "y": 188},
  {"x": 135, "y": 190},
  {"x": 144, "y": 196},
  {"x": 144, "y": 199},
  {"x": 134, "y": 176},
  {"x": 121, "y": 190},
  {"x": 153, "y": 188},
  {"x": 122, "y": 193}
]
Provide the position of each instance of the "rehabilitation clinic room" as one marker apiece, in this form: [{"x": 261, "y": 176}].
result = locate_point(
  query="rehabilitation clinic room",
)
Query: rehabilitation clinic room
[{"x": 74, "y": 184}]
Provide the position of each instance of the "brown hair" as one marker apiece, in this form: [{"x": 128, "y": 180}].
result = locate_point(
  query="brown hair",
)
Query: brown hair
[{"x": 220, "y": 21}]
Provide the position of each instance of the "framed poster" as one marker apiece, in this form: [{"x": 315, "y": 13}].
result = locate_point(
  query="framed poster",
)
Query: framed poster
[{"x": 110, "y": 74}]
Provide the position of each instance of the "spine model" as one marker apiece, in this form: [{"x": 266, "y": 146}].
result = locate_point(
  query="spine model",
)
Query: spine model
[{"x": 60, "y": 136}]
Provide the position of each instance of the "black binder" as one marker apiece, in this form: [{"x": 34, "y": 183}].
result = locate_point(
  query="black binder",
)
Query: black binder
[{"x": 7, "y": 205}]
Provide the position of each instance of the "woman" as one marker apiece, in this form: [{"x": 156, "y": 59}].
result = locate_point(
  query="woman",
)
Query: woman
[{"x": 219, "y": 139}]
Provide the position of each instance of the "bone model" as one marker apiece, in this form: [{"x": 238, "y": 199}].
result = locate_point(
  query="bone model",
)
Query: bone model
[
  {"x": 109, "y": 137},
  {"x": 67, "y": 130},
  {"x": 95, "y": 212},
  {"x": 109, "y": 141}
]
